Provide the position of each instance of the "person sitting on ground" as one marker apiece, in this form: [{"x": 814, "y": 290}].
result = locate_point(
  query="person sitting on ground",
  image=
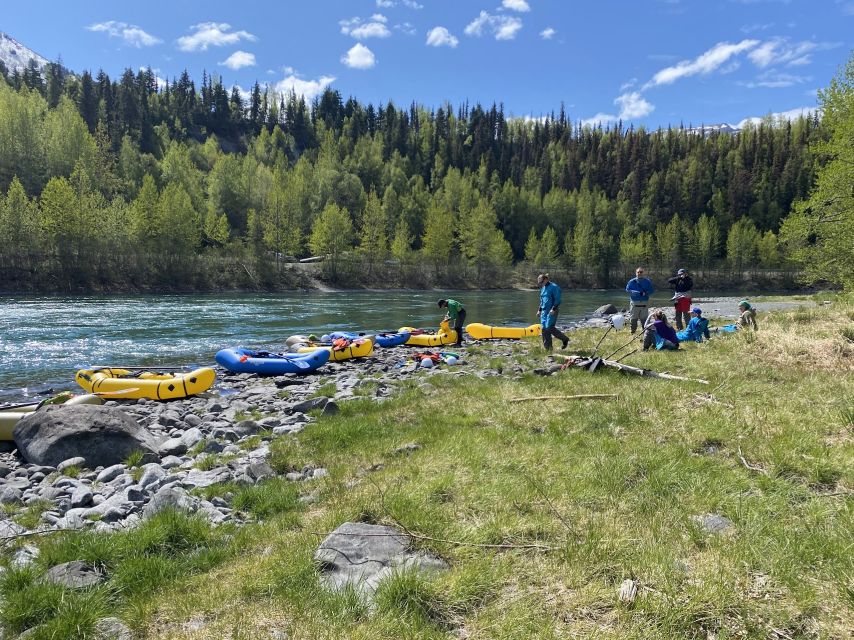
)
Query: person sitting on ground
[
  {"x": 697, "y": 329},
  {"x": 457, "y": 313},
  {"x": 682, "y": 285},
  {"x": 660, "y": 333},
  {"x": 640, "y": 289},
  {"x": 548, "y": 310},
  {"x": 747, "y": 316}
]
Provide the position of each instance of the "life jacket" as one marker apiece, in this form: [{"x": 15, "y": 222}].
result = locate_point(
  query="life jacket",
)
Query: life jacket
[{"x": 340, "y": 344}]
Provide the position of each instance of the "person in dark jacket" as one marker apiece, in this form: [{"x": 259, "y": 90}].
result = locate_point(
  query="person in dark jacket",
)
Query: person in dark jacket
[
  {"x": 456, "y": 313},
  {"x": 547, "y": 311},
  {"x": 659, "y": 333},
  {"x": 682, "y": 283},
  {"x": 640, "y": 289}
]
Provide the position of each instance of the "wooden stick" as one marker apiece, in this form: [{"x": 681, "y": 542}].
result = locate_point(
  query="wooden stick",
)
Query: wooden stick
[
  {"x": 582, "y": 396},
  {"x": 577, "y": 360}
]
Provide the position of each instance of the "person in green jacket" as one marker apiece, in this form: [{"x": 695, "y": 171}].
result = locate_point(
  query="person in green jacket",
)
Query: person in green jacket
[{"x": 456, "y": 313}]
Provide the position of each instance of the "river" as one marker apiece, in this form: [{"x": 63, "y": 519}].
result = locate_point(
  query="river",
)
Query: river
[{"x": 44, "y": 340}]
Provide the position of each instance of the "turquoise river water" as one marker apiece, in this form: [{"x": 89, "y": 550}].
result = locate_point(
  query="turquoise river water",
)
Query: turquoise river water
[{"x": 44, "y": 340}]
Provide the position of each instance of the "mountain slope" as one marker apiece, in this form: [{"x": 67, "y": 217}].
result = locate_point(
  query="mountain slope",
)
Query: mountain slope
[{"x": 16, "y": 56}]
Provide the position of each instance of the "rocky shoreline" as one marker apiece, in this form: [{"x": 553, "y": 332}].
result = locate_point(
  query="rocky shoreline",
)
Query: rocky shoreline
[{"x": 220, "y": 437}]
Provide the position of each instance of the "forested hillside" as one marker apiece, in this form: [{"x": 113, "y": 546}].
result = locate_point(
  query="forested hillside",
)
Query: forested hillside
[{"x": 123, "y": 185}]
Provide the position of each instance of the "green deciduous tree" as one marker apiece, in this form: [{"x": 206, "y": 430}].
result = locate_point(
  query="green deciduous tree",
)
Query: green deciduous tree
[
  {"x": 331, "y": 236},
  {"x": 821, "y": 229}
]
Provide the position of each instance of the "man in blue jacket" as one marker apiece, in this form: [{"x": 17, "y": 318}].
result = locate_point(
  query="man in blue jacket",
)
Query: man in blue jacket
[
  {"x": 640, "y": 289},
  {"x": 549, "y": 303}
]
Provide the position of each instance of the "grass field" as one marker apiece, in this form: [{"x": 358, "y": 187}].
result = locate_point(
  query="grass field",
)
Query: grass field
[{"x": 608, "y": 489}]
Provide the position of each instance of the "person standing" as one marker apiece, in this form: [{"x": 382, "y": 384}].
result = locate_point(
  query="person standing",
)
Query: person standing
[
  {"x": 682, "y": 284},
  {"x": 640, "y": 289},
  {"x": 549, "y": 306},
  {"x": 457, "y": 313}
]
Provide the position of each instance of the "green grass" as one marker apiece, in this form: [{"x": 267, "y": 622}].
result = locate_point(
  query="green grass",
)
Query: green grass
[
  {"x": 72, "y": 472},
  {"x": 30, "y": 515},
  {"x": 328, "y": 390},
  {"x": 134, "y": 459},
  {"x": 609, "y": 486}
]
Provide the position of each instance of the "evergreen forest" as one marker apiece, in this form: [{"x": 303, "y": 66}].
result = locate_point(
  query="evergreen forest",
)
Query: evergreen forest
[{"x": 124, "y": 184}]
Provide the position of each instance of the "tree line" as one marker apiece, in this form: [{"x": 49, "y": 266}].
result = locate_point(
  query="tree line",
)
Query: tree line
[{"x": 130, "y": 183}]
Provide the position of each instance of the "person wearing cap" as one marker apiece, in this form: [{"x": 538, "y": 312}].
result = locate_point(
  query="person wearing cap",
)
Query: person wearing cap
[
  {"x": 457, "y": 313},
  {"x": 640, "y": 289},
  {"x": 697, "y": 329},
  {"x": 682, "y": 283},
  {"x": 548, "y": 310},
  {"x": 747, "y": 316}
]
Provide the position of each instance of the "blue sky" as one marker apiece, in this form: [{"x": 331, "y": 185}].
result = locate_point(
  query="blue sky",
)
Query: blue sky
[{"x": 651, "y": 62}]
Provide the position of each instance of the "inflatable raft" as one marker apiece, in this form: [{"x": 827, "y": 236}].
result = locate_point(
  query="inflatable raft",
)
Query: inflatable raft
[
  {"x": 384, "y": 340},
  {"x": 446, "y": 335},
  {"x": 147, "y": 384},
  {"x": 360, "y": 348},
  {"x": 10, "y": 416},
  {"x": 485, "y": 332},
  {"x": 240, "y": 360}
]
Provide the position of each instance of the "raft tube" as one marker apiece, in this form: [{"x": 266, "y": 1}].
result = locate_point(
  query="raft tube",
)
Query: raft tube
[
  {"x": 429, "y": 339},
  {"x": 10, "y": 417},
  {"x": 480, "y": 331},
  {"x": 240, "y": 360},
  {"x": 387, "y": 340},
  {"x": 124, "y": 385},
  {"x": 360, "y": 348}
]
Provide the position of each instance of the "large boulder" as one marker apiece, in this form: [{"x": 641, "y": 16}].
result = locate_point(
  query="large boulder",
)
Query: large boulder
[
  {"x": 359, "y": 556},
  {"x": 605, "y": 310},
  {"x": 102, "y": 435}
]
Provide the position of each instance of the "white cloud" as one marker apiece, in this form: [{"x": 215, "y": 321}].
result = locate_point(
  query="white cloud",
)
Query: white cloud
[
  {"x": 791, "y": 114},
  {"x": 406, "y": 28},
  {"x": 385, "y": 4},
  {"x": 161, "y": 82},
  {"x": 359, "y": 57},
  {"x": 238, "y": 60},
  {"x": 750, "y": 28},
  {"x": 411, "y": 4},
  {"x": 548, "y": 33},
  {"x": 632, "y": 107},
  {"x": 628, "y": 84},
  {"x": 502, "y": 27},
  {"x": 781, "y": 51},
  {"x": 772, "y": 79},
  {"x": 309, "y": 89},
  {"x": 375, "y": 28},
  {"x": 212, "y": 34},
  {"x": 441, "y": 37},
  {"x": 132, "y": 35},
  {"x": 703, "y": 64},
  {"x": 516, "y": 5}
]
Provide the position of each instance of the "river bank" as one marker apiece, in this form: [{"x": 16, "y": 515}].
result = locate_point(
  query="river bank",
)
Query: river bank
[{"x": 725, "y": 505}]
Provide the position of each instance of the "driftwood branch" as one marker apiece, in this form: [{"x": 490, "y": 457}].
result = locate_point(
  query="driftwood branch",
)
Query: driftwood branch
[
  {"x": 751, "y": 467},
  {"x": 582, "y": 396},
  {"x": 581, "y": 361}
]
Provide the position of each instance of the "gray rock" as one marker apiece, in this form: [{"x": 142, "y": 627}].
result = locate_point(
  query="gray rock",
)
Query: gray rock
[
  {"x": 111, "y": 473},
  {"x": 200, "y": 479},
  {"x": 11, "y": 495},
  {"x": 407, "y": 449},
  {"x": 293, "y": 476},
  {"x": 172, "y": 447},
  {"x": 105, "y": 435},
  {"x": 606, "y": 310},
  {"x": 169, "y": 418},
  {"x": 171, "y": 461},
  {"x": 151, "y": 474},
  {"x": 168, "y": 497},
  {"x": 77, "y": 461},
  {"x": 111, "y": 629},
  {"x": 74, "y": 575},
  {"x": 330, "y": 408},
  {"x": 192, "y": 437},
  {"x": 192, "y": 420},
  {"x": 5, "y": 470},
  {"x": 312, "y": 403},
  {"x": 360, "y": 556},
  {"x": 713, "y": 523},
  {"x": 82, "y": 497},
  {"x": 25, "y": 556},
  {"x": 246, "y": 428},
  {"x": 260, "y": 470}
]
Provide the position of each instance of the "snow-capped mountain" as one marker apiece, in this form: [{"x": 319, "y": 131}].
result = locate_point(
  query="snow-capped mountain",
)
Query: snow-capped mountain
[
  {"x": 706, "y": 129},
  {"x": 16, "y": 56}
]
